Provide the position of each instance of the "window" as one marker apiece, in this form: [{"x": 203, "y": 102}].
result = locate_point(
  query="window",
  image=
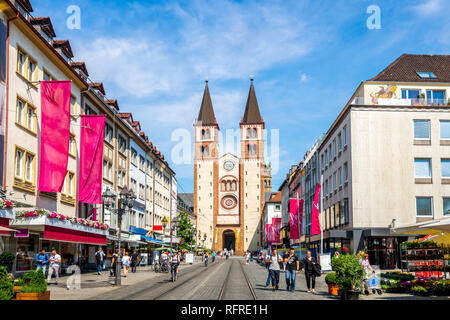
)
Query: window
[
  {"x": 445, "y": 129},
  {"x": 24, "y": 166},
  {"x": 424, "y": 206},
  {"x": 141, "y": 192},
  {"x": 133, "y": 186},
  {"x": 410, "y": 94},
  {"x": 340, "y": 176},
  {"x": 334, "y": 148},
  {"x": 25, "y": 115},
  {"x": 73, "y": 105},
  {"x": 330, "y": 154},
  {"x": 21, "y": 60},
  {"x": 133, "y": 156},
  {"x": 72, "y": 146},
  {"x": 446, "y": 206},
  {"x": 47, "y": 76},
  {"x": 142, "y": 163},
  {"x": 345, "y": 172},
  {"x": 108, "y": 133},
  {"x": 445, "y": 168},
  {"x": 326, "y": 158},
  {"x": 32, "y": 70},
  {"x": 422, "y": 168},
  {"x": 345, "y": 136},
  {"x": 334, "y": 181},
  {"x": 339, "y": 141},
  {"x": 426, "y": 74},
  {"x": 436, "y": 96},
  {"x": 277, "y": 207},
  {"x": 422, "y": 129},
  {"x": 122, "y": 145}
]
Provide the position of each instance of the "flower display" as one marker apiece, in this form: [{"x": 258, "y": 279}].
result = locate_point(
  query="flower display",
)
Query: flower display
[
  {"x": 60, "y": 217},
  {"x": 6, "y": 204}
]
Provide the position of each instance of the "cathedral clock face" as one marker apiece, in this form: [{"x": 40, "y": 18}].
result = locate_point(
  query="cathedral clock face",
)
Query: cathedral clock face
[
  {"x": 229, "y": 165},
  {"x": 229, "y": 202}
]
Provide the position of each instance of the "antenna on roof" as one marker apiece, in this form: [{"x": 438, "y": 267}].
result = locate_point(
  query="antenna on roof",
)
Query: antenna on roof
[
  {"x": 252, "y": 77},
  {"x": 206, "y": 80}
]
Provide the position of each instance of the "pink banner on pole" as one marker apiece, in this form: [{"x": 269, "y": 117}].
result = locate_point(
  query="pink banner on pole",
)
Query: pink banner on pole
[
  {"x": 315, "y": 223},
  {"x": 268, "y": 234},
  {"x": 296, "y": 216},
  {"x": 55, "y": 135},
  {"x": 91, "y": 159}
]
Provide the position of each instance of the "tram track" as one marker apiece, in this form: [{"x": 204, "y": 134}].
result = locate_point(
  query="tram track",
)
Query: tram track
[{"x": 233, "y": 282}]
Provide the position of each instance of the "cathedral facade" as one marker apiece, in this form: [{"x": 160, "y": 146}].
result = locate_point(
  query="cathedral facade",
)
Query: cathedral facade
[{"x": 229, "y": 190}]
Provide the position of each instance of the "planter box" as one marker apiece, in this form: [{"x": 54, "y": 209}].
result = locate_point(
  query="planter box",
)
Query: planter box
[
  {"x": 350, "y": 295},
  {"x": 33, "y": 296},
  {"x": 333, "y": 289}
]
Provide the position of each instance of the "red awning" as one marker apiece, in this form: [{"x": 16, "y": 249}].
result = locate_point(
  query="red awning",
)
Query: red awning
[
  {"x": 5, "y": 224},
  {"x": 75, "y": 236}
]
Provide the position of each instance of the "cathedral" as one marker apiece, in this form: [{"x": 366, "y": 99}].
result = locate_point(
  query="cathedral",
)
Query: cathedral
[{"x": 228, "y": 190}]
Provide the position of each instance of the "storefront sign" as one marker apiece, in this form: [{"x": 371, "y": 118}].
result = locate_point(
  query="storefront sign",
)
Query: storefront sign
[
  {"x": 174, "y": 240},
  {"x": 22, "y": 233},
  {"x": 190, "y": 258},
  {"x": 325, "y": 262}
]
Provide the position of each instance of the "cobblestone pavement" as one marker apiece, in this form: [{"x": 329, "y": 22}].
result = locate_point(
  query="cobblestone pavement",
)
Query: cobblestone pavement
[{"x": 197, "y": 282}]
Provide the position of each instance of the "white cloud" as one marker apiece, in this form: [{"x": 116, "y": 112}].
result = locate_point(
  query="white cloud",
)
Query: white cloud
[
  {"x": 430, "y": 7},
  {"x": 304, "y": 78}
]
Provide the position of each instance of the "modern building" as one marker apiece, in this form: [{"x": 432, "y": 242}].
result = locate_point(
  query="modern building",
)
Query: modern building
[
  {"x": 229, "y": 190},
  {"x": 385, "y": 159}
]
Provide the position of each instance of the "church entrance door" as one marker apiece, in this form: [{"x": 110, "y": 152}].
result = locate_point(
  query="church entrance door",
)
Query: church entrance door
[{"x": 229, "y": 240}]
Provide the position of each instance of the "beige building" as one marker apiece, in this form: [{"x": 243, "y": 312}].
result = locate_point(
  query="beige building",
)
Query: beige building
[
  {"x": 228, "y": 190},
  {"x": 385, "y": 160}
]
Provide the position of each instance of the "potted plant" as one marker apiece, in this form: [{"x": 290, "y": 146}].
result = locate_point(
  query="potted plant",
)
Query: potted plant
[
  {"x": 17, "y": 284},
  {"x": 331, "y": 281},
  {"x": 420, "y": 291},
  {"x": 7, "y": 260},
  {"x": 349, "y": 274},
  {"x": 6, "y": 287},
  {"x": 34, "y": 287}
]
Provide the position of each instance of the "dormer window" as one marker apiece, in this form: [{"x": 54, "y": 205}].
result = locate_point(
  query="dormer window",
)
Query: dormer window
[{"x": 426, "y": 74}]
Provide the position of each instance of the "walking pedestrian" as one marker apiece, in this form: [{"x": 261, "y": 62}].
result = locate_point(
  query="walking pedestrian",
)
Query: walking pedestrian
[
  {"x": 114, "y": 260},
  {"x": 134, "y": 261},
  {"x": 213, "y": 255},
  {"x": 42, "y": 261},
  {"x": 274, "y": 269},
  {"x": 267, "y": 261},
  {"x": 126, "y": 259},
  {"x": 100, "y": 258},
  {"x": 55, "y": 262},
  {"x": 285, "y": 256},
  {"x": 368, "y": 270},
  {"x": 308, "y": 268},
  {"x": 292, "y": 267}
]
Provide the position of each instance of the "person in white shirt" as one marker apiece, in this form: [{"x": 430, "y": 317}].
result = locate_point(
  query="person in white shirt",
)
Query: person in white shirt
[
  {"x": 126, "y": 259},
  {"x": 54, "y": 264}
]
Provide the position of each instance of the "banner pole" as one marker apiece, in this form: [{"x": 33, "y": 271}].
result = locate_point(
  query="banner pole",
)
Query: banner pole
[{"x": 298, "y": 222}]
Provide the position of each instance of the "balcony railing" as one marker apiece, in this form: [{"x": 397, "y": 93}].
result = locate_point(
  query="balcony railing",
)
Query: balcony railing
[{"x": 401, "y": 102}]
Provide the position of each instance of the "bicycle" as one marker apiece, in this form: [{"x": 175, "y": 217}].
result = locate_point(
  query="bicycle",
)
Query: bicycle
[{"x": 174, "y": 272}]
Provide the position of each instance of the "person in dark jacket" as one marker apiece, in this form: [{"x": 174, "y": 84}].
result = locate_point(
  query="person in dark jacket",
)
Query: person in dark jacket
[{"x": 308, "y": 269}]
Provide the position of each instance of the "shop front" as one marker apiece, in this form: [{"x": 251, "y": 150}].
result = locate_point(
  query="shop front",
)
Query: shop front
[
  {"x": 6, "y": 233},
  {"x": 76, "y": 240}
]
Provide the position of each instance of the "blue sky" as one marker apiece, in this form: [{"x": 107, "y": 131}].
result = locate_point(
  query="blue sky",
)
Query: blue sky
[{"x": 307, "y": 58}]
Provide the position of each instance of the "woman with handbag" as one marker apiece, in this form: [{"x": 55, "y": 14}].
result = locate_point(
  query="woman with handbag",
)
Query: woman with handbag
[{"x": 309, "y": 266}]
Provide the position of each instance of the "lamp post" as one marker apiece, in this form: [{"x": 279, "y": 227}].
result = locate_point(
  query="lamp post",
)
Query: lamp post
[
  {"x": 172, "y": 229},
  {"x": 127, "y": 199}
]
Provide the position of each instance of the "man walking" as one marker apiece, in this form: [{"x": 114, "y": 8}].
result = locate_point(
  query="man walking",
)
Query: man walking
[
  {"x": 55, "y": 262},
  {"x": 292, "y": 267},
  {"x": 42, "y": 261},
  {"x": 134, "y": 261},
  {"x": 100, "y": 258},
  {"x": 274, "y": 270}
]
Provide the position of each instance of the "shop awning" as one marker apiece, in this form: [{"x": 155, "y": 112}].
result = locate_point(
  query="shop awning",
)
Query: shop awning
[
  {"x": 438, "y": 227},
  {"x": 7, "y": 230},
  {"x": 73, "y": 236},
  {"x": 151, "y": 240},
  {"x": 4, "y": 226}
]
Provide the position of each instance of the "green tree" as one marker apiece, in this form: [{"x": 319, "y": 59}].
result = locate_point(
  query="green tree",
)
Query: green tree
[{"x": 185, "y": 231}]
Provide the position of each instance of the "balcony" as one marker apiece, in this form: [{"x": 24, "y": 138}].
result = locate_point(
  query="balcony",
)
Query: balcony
[{"x": 401, "y": 102}]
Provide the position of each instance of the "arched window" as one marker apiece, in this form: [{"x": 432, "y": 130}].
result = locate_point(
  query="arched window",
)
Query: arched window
[
  {"x": 249, "y": 149},
  {"x": 224, "y": 186},
  {"x": 205, "y": 151},
  {"x": 255, "y": 133},
  {"x": 228, "y": 185},
  {"x": 254, "y": 149},
  {"x": 249, "y": 133},
  {"x": 203, "y": 134},
  {"x": 234, "y": 186},
  {"x": 208, "y": 134}
]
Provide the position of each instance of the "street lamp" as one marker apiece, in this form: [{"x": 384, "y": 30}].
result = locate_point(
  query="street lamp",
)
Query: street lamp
[{"x": 127, "y": 199}]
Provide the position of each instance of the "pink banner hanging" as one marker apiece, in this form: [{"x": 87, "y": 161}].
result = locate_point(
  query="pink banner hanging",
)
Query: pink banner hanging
[
  {"x": 296, "y": 216},
  {"x": 55, "y": 135},
  {"x": 91, "y": 159},
  {"x": 276, "y": 223},
  {"x": 315, "y": 223}
]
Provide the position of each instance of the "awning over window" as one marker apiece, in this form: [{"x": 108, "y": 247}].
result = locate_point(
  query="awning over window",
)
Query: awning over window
[
  {"x": 151, "y": 240},
  {"x": 75, "y": 236}
]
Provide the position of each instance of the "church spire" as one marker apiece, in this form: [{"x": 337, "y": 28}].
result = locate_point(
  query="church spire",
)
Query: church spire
[
  {"x": 206, "y": 115},
  {"x": 252, "y": 114}
]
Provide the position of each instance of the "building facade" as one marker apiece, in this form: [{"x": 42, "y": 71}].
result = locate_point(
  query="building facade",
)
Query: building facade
[{"x": 229, "y": 190}]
